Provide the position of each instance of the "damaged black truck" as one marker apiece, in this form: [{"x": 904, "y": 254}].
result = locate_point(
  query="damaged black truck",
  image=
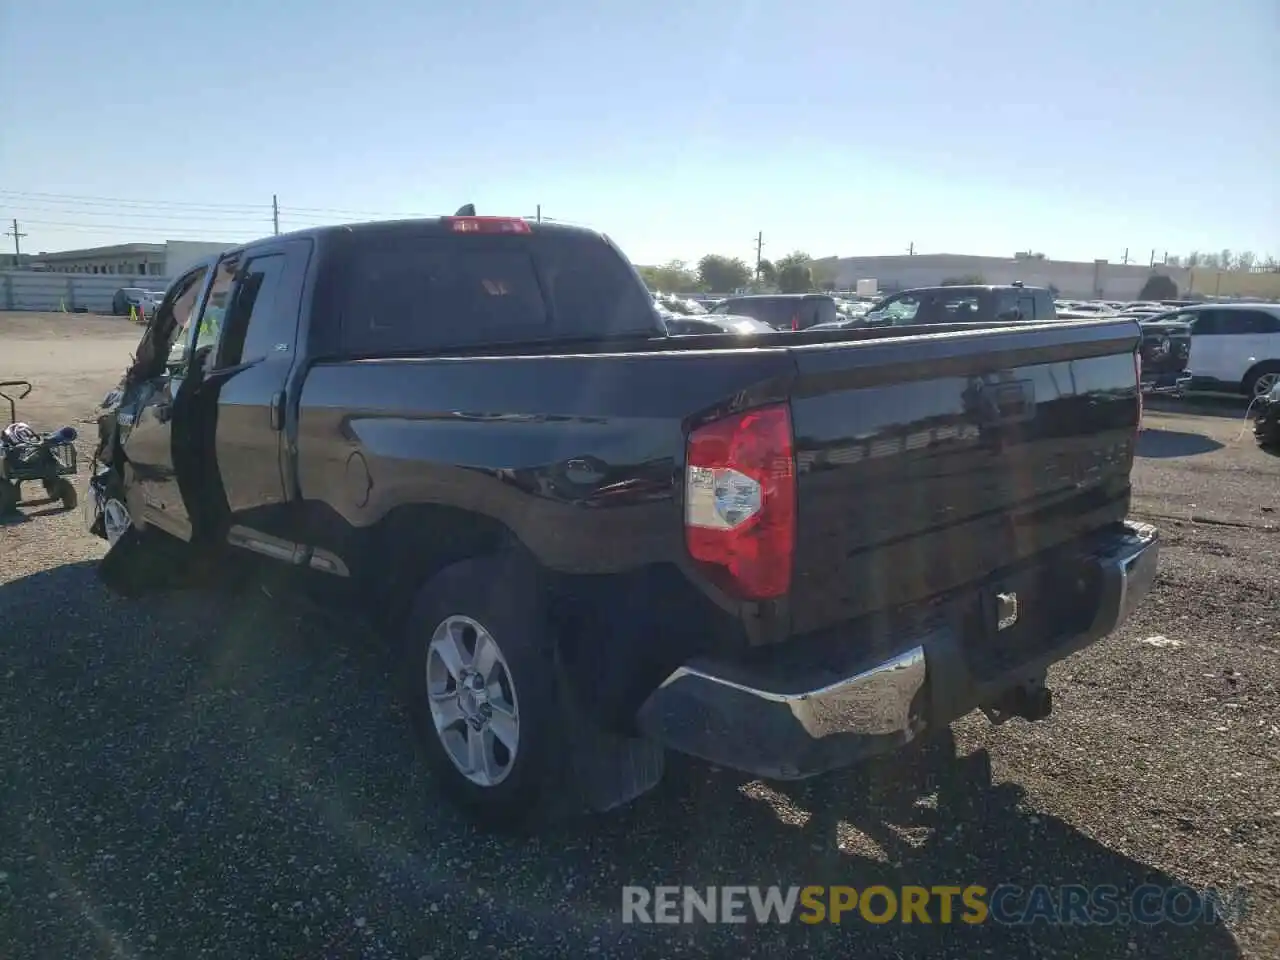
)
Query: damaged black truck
[{"x": 593, "y": 542}]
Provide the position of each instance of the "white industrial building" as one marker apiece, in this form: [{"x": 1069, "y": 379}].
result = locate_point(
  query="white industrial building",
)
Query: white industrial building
[
  {"x": 1071, "y": 279},
  {"x": 167, "y": 259}
]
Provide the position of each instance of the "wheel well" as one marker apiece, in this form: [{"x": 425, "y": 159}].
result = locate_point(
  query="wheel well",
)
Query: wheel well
[
  {"x": 414, "y": 542},
  {"x": 1259, "y": 368}
]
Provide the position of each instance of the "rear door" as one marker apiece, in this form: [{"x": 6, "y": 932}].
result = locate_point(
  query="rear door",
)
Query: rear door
[
  {"x": 242, "y": 392},
  {"x": 1212, "y": 347}
]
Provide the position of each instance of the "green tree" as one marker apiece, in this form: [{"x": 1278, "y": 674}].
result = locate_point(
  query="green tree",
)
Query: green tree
[
  {"x": 1246, "y": 260},
  {"x": 794, "y": 272},
  {"x": 672, "y": 277},
  {"x": 1158, "y": 287},
  {"x": 768, "y": 273},
  {"x": 1227, "y": 259},
  {"x": 795, "y": 278},
  {"x": 722, "y": 274},
  {"x": 824, "y": 273}
]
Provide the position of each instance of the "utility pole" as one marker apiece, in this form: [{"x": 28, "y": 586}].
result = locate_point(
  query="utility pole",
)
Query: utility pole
[
  {"x": 17, "y": 242},
  {"x": 911, "y": 249},
  {"x": 1153, "y": 259},
  {"x": 275, "y": 214},
  {"x": 1125, "y": 259},
  {"x": 539, "y": 213},
  {"x": 759, "y": 253}
]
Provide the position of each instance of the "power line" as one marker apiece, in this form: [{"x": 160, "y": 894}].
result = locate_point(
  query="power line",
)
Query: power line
[
  {"x": 78, "y": 199},
  {"x": 181, "y": 206}
]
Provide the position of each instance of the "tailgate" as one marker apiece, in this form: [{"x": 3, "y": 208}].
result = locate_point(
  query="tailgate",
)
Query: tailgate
[{"x": 929, "y": 462}]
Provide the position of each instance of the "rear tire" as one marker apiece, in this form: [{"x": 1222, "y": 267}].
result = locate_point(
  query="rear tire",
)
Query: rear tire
[{"x": 454, "y": 616}]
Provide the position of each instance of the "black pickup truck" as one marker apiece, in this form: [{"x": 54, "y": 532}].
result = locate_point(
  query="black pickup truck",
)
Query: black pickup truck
[
  {"x": 593, "y": 541},
  {"x": 961, "y": 303}
]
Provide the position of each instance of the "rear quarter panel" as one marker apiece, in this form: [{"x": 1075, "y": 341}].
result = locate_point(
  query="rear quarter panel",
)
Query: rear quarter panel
[{"x": 578, "y": 457}]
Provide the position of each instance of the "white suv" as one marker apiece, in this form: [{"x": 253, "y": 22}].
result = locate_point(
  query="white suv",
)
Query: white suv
[{"x": 1234, "y": 346}]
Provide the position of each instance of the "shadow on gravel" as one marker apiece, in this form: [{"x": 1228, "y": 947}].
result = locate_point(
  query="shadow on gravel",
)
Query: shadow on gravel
[
  {"x": 200, "y": 774},
  {"x": 1168, "y": 444},
  {"x": 48, "y": 508},
  {"x": 1230, "y": 408}
]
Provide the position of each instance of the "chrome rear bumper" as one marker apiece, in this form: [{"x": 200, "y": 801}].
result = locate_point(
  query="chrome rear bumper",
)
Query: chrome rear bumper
[{"x": 800, "y": 720}]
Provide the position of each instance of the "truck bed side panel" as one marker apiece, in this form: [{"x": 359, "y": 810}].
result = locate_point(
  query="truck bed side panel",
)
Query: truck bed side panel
[
  {"x": 929, "y": 463},
  {"x": 578, "y": 456}
]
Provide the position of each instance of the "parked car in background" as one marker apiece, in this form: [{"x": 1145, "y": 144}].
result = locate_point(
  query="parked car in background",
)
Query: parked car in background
[
  {"x": 963, "y": 304},
  {"x": 782, "y": 311},
  {"x": 1235, "y": 347},
  {"x": 1166, "y": 349},
  {"x": 139, "y": 298},
  {"x": 678, "y": 326},
  {"x": 678, "y": 305}
]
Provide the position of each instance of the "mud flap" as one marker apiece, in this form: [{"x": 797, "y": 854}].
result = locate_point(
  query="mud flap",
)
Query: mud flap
[{"x": 607, "y": 769}]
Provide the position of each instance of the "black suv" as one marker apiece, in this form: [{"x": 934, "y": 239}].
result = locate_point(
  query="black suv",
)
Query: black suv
[{"x": 964, "y": 304}]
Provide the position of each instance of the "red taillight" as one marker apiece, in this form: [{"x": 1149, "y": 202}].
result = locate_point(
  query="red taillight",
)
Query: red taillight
[
  {"x": 795, "y": 321},
  {"x": 740, "y": 502},
  {"x": 1137, "y": 372},
  {"x": 488, "y": 225}
]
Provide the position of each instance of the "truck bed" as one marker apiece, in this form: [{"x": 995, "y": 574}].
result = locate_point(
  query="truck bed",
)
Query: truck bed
[{"x": 915, "y": 471}]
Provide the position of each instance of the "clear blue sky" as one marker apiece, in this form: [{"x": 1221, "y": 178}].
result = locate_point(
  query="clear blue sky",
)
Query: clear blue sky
[{"x": 1072, "y": 127}]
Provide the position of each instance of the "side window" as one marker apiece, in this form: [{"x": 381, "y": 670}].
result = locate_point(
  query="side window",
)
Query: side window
[
  {"x": 1208, "y": 323},
  {"x": 215, "y": 305},
  {"x": 185, "y": 296},
  {"x": 1253, "y": 322},
  {"x": 1028, "y": 307},
  {"x": 902, "y": 310},
  {"x": 723, "y": 308},
  {"x": 183, "y": 305},
  {"x": 248, "y": 324}
]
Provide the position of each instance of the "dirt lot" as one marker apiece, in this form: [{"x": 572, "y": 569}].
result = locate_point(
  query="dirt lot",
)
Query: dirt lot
[{"x": 188, "y": 776}]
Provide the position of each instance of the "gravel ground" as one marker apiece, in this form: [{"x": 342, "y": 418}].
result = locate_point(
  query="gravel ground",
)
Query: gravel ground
[{"x": 185, "y": 776}]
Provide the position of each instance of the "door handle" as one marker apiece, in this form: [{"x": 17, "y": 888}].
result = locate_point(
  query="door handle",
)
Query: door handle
[{"x": 277, "y": 410}]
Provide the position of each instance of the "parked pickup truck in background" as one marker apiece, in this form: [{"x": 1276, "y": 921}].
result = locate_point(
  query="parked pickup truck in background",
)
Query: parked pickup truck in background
[
  {"x": 1166, "y": 348},
  {"x": 930, "y": 306},
  {"x": 594, "y": 542}
]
